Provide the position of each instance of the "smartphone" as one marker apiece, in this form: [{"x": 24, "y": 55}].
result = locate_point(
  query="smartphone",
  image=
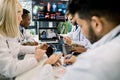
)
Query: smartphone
[
  {"x": 49, "y": 51},
  {"x": 60, "y": 36}
]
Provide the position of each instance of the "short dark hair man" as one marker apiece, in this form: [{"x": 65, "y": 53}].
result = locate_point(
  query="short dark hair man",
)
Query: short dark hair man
[
  {"x": 26, "y": 17},
  {"x": 25, "y": 37},
  {"x": 100, "y": 23}
]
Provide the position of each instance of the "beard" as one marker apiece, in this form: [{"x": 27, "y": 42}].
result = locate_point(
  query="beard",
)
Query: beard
[{"x": 91, "y": 35}]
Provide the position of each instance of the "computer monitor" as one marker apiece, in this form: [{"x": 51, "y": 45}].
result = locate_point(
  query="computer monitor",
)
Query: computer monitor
[{"x": 51, "y": 11}]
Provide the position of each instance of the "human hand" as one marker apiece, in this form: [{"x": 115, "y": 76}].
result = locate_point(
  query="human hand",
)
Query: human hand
[
  {"x": 76, "y": 45},
  {"x": 54, "y": 59},
  {"x": 43, "y": 46},
  {"x": 67, "y": 40},
  {"x": 78, "y": 49},
  {"x": 70, "y": 60},
  {"x": 34, "y": 43},
  {"x": 39, "y": 53}
]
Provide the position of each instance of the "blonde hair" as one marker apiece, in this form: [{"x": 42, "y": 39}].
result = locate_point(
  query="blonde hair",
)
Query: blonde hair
[{"x": 8, "y": 18}]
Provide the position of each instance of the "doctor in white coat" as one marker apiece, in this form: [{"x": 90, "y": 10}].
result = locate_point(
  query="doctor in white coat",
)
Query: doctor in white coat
[
  {"x": 101, "y": 25},
  {"x": 25, "y": 37},
  {"x": 10, "y": 65},
  {"x": 75, "y": 36}
]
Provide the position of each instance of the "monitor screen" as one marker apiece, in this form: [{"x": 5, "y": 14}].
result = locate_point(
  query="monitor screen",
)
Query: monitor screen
[
  {"x": 51, "y": 11},
  {"x": 48, "y": 34}
]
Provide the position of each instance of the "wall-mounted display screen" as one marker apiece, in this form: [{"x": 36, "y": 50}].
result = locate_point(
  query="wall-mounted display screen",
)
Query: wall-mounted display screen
[{"x": 51, "y": 11}]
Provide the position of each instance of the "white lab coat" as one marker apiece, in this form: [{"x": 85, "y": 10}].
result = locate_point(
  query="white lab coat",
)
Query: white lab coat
[
  {"x": 102, "y": 62},
  {"x": 25, "y": 36},
  {"x": 10, "y": 66},
  {"x": 77, "y": 37}
]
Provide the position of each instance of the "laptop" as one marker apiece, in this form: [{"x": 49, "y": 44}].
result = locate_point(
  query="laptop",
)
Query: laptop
[{"x": 48, "y": 35}]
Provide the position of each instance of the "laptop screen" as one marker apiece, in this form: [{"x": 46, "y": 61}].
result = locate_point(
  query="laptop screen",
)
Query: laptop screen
[{"x": 48, "y": 34}]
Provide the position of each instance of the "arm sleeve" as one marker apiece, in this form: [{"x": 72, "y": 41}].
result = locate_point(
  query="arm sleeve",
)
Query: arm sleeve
[
  {"x": 10, "y": 66},
  {"x": 28, "y": 36},
  {"x": 70, "y": 34},
  {"x": 82, "y": 70},
  {"x": 27, "y": 49}
]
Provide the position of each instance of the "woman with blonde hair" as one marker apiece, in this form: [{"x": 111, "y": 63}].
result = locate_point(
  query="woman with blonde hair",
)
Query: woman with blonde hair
[
  {"x": 10, "y": 16},
  {"x": 10, "y": 65}
]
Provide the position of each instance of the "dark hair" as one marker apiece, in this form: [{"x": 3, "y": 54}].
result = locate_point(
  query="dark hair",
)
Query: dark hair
[
  {"x": 25, "y": 13},
  {"x": 108, "y": 9},
  {"x": 70, "y": 8},
  {"x": 43, "y": 32}
]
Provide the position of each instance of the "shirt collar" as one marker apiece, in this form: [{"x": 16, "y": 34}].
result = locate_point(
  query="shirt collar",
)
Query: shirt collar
[
  {"x": 108, "y": 37},
  {"x": 20, "y": 27}
]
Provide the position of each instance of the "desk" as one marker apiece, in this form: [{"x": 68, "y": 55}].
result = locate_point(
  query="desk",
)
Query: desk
[{"x": 42, "y": 72}]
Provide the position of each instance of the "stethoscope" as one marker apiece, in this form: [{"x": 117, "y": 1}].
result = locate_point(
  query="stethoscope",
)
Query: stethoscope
[
  {"x": 76, "y": 27},
  {"x": 23, "y": 38}
]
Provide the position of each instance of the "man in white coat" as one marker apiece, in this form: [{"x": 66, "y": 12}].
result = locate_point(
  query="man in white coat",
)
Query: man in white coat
[
  {"x": 25, "y": 37},
  {"x": 100, "y": 23},
  {"x": 75, "y": 36}
]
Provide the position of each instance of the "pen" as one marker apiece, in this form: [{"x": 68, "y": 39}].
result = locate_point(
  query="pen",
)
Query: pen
[{"x": 70, "y": 55}]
